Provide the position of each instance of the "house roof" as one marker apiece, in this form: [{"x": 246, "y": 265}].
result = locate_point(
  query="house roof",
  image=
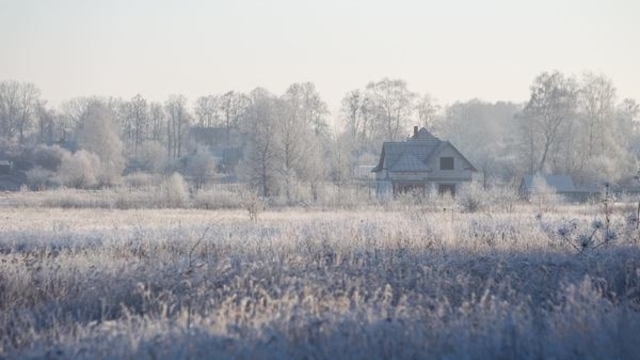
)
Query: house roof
[
  {"x": 408, "y": 162},
  {"x": 413, "y": 154},
  {"x": 560, "y": 182}
]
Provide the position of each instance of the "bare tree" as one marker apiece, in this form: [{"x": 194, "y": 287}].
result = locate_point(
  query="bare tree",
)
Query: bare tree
[
  {"x": 71, "y": 116},
  {"x": 354, "y": 114},
  {"x": 314, "y": 109},
  {"x": 18, "y": 109},
  {"x": 301, "y": 131},
  {"x": 9, "y": 107},
  {"x": 157, "y": 122},
  {"x": 178, "y": 120},
  {"x": 233, "y": 106},
  {"x": 28, "y": 104},
  {"x": 480, "y": 131},
  {"x": 597, "y": 102},
  {"x": 428, "y": 112},
  {"x": 135, "y": 122},
  {"x": 206, "y": 110},
  {"x": 393, "y": 105},
  {"x": 552, "y": 104},
  {"x": 46, "y": 119},
  {"x": 260, "y": 162}
]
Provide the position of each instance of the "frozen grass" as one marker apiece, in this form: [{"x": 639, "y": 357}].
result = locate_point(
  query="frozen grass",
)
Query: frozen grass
[{"x": 395, "y": 281}]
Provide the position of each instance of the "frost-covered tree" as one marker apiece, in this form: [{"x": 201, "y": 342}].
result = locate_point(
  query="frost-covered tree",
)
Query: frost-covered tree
[
  {"x": 206, "y": 111},
  {"x": 261, "y": 161},
  {"x": 482, "y": 131},
  {"x": 597, "y": 105},
  {"x": 157, "y": 122},
  {"x": 134, "y": 123},
  {"x": 19, "y": 104},
  {"x": 392, "y": 105},
  {"x": 301, "y": 130},
  {"x": 429, "y": 113},
  {"x": 178, "y": 121},
  {"x": 551, "y": 107},
  {"x": 233, "y": 106},
  {"x": 98, "y": 134}
]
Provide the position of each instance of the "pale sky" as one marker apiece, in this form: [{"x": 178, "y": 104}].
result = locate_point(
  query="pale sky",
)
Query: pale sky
[{"x": 452, "y": 49}]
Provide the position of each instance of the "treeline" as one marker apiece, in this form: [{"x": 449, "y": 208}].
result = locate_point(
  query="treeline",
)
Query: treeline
[{"x": 291, "y": 143}]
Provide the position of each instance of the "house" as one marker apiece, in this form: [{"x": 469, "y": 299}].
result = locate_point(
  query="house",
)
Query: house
[{"x": 421, "y": 163}]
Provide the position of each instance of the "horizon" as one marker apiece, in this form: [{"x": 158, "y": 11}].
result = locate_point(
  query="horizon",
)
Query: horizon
[{"x": 454, "y": 52}]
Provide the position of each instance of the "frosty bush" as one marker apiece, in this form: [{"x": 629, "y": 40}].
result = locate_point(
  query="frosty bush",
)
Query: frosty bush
[
  {"x": 253, "y": 203},
  {"x": 79, "y": 170},
  {"x": 99, "y": 135},
  {"x": 543, "y": 196},
  {"x": 38, "y": 177},
  {"x": 472, "y": 197},
  {"x": 173, "y": 192},
  {"x": 139, "y": 180},
  {"x": 201, "y": 167},
  {"x": 153, "y": 157}
]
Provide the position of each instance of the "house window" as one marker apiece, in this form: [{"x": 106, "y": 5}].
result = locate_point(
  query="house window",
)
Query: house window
[
  {"x": 446, "y": 163},
  {"x": 447, "y": 189}
]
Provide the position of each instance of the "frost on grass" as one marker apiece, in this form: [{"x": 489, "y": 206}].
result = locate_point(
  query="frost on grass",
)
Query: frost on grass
[{"x": 381, "y": 283}]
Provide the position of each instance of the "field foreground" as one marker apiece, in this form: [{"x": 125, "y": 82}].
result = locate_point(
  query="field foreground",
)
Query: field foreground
[{"x": 367, "y": 284}]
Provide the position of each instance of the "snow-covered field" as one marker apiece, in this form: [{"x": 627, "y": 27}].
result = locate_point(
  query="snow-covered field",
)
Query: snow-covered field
[{"x": 377, "y": 282}]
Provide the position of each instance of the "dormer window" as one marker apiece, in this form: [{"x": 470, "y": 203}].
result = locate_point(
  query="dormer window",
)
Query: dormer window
[{"x": 446, "y": 163}]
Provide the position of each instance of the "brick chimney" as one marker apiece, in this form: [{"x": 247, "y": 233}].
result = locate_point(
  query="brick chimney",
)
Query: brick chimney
[{"x": 415, "y": 132}]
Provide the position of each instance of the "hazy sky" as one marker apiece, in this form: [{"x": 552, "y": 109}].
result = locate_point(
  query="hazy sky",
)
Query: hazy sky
[{"x": 452, "y": 49}]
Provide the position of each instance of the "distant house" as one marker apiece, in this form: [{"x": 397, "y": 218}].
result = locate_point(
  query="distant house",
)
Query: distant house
[
  {"x": 210, "y": 136},
  {"x": 223, "y": 144},
  {"x": 422, "y": 163},
  {"x": 561, "y": 184}
]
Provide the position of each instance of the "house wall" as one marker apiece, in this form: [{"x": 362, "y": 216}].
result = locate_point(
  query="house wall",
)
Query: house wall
[{"x": 384, "y": 189}]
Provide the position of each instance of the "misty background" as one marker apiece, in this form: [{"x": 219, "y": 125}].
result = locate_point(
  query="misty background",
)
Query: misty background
[{"x": 288, "y": 95}]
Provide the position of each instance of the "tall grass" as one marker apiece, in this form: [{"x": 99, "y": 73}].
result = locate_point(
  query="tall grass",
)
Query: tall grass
[{"x": 395, "y": 281}]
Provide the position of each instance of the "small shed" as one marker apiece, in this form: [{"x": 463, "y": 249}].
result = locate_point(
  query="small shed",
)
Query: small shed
[
  {"x": 6, "y": 166},
  {"x": 561, "y": 184}
]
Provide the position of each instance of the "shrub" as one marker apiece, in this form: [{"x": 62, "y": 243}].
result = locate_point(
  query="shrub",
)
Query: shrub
[
  {"x": 99, "y": 135},
  {"x": 153, "y": 157},
  {"x": 253, "y": 203},
  {"x": 174, "y": 192},
  {"x": 472, "y": 197},
  {"x": 201, "y": 167},
  {"x": 79, "y": 170},
  {"x": 139, "y": 180},
  {"x": 38, "y": 177}
]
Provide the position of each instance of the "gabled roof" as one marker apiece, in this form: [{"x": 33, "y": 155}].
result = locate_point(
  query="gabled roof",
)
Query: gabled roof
[
  {"x": 561, "y": 183},
  {"x": 413, "y": 154}
]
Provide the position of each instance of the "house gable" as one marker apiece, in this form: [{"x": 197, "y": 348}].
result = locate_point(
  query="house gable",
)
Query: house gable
[{"x": 447, "y": 150}]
